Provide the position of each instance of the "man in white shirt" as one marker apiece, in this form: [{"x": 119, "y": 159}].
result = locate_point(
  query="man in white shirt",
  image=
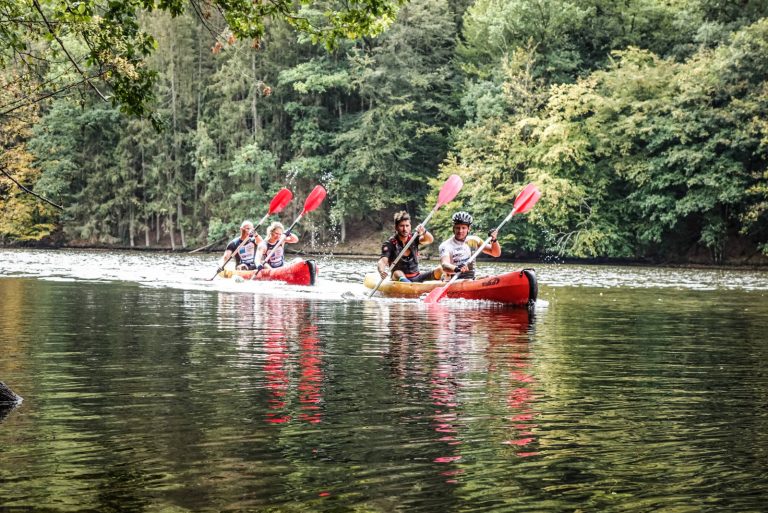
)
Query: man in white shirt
[{"x": 456, "y": 251}]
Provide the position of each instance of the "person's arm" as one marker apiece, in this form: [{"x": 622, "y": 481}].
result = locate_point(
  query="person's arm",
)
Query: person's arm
[
  {"x": 494, "y": 248},
  {"x": 261, "y": 252},
  {"x": 449, "y": 267},
  {"x": 225, "y": 257},
  {"x": 292, "y": 238},
  {"x": 387, "y": 255},
  {"x": 383, "y": 266},
  {"x": 424, "y": 236}
]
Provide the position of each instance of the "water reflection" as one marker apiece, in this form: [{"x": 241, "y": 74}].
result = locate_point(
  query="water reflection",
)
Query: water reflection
[
  {"x": 284, "y": 335},
  {"x": 464, "y": 361},
  {"x": 161, "y": 399}
]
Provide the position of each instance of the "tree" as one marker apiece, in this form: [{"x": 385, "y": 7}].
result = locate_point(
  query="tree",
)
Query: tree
[
  {"x": 104, "y": 47},
  {"x": 22, "y": 216},
  {"x": 405, "y": 82}
]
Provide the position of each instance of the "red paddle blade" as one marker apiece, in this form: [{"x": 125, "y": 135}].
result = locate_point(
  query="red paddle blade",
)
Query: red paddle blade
[
  {"x": 281, "y": 199},
  {"x": 449, "y": 190},
  {"x": 527, "y": 198},
  {"x": 435, "y": 295},
  {"x": 314, "y": 199}
]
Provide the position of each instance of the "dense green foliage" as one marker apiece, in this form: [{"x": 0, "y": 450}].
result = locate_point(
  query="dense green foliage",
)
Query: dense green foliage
[
  {"x": 643, "y": 123},
  {"x": 647, "y": 155}
]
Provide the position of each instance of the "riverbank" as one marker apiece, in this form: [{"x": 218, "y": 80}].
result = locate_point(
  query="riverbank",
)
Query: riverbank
[{"x": 370, "y": 247}]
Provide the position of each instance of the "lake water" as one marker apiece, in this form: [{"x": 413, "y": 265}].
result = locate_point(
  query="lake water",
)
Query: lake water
[{"x": 147, "y": 388}]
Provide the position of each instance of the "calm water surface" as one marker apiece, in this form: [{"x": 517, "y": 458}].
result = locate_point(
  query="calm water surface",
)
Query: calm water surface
[{"x": 148, "y": 388}]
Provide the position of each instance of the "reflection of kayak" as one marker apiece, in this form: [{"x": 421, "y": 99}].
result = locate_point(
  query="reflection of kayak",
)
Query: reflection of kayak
[
  {"x": 298, "y": 272},
  {"x": 515, "y": 288}
]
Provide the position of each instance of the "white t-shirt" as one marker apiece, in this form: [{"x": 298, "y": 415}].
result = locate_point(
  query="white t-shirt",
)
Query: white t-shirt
[{"x": 461, "y": 251}]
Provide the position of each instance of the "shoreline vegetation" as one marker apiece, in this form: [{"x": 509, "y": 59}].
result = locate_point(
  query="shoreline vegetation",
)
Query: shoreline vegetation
[
  {"x": 643, "y": 124},
  {"x": 369, "y": 247}
]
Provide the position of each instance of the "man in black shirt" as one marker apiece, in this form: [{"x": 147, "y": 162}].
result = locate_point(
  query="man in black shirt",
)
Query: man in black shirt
[{"x": 407, "y": 268}]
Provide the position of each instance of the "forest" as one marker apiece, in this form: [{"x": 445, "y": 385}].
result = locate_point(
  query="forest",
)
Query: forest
[{"x": 643, "y": 122}]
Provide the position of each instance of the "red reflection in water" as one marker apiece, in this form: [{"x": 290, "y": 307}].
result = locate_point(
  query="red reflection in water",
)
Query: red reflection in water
[
  {"x": 292, "y": 326},
  {"x": 276, "y": 373},
  {"x": 479, "y": 348},
  {"x": 453, "y": 334},
  {"x": 520, "y": 398},
  {"x": 310, "y": 362},
  {"x": 504, "y": 335}
]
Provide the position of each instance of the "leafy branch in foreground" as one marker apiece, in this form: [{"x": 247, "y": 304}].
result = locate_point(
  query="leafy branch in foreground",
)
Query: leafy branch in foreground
[{"x": 101, "y": 44}]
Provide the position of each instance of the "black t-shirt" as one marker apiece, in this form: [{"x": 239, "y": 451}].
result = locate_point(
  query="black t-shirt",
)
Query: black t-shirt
[{"x": 409, "y": 264}]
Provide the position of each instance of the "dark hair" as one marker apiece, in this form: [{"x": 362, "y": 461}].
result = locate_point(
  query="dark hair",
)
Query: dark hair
[{"x": 401, "y": 216}]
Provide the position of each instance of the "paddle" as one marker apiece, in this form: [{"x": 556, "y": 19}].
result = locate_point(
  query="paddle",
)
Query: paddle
[
  {"x": 523, "y": 203},
  {"x": 312, "y": 202},
  {"x": 448, "y": 191},
  {"x": 281, "y": 199}
]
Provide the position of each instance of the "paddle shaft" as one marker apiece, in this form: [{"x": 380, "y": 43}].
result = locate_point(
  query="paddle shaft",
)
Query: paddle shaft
[{"x": 407, "y": 245}]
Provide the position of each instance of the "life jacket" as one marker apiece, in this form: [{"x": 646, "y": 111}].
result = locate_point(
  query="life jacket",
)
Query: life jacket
[
  {"x": 278, "y": 257},
  {"x": 246, "y": 253}
]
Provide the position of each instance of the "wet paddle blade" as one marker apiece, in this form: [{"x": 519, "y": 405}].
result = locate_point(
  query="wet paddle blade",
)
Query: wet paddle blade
[
  {"x": 314, "y": 199},
  {"x": 450, "y": 189},
  {"x": 527, "y": 198},
  {"x": 435, "y": 295},
  {"x": 281, "y": 199}
]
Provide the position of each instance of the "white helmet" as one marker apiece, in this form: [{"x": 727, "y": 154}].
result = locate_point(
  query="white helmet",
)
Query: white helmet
[{"x": 462, "y": 218}]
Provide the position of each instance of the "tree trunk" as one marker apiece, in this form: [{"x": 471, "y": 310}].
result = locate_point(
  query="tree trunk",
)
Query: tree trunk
[
  {"x": 170, "y": 232},
  {"x": 179, "y": 218},
  {"x": 254, "y": 97},
  {"x": 130, "y": 226},
  {"x": 157, "y": 229},
  {"x": 343, "y": 230},
  {"x": 146, "y": 233}
]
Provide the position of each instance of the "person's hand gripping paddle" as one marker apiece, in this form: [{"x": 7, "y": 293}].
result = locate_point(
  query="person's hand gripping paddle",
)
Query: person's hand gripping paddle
[
  {"x": 448, "y": 191},
  {"x": 281, "y": 199},
  {"x": 311, "y": 203},
  {"x": 525, "y": 201}
]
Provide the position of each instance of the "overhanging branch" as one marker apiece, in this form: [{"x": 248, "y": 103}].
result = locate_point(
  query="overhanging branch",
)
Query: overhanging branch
[
  {"x": 64, "y": 48},
  {"x": 6, "y": 173}
]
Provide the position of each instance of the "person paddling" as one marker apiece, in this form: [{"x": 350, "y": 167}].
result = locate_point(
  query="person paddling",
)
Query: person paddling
[
  {"x": 456, "y": 251},
  {"x": 270, "y": 245},
  {"x": 244, "y": 247},
  {"x": 407, "y": 269}
]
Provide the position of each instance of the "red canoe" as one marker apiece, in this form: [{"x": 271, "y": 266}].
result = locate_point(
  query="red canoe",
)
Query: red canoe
[
  {"x": 299, "y": 272},
  {"x": 516, "y": 288}
]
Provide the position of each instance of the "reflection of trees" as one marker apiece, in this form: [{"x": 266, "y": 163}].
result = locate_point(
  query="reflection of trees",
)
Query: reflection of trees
[
  {"x": 14, "y": 322},
  {"x": 647, "y": 379},
  {"x": 140, "y": 399},
  {"x": 140, "y": 386},
  {"x": 481, "y": 386},
  {"x": 468, "y": 367},
  {"x": 105, "y": 375}
]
